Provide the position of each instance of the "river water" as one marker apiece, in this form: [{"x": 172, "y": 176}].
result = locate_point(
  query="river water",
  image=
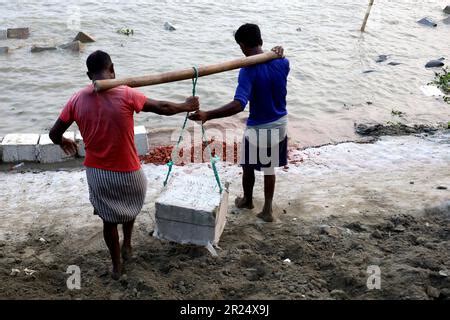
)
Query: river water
[{"x": 328, "y": 90}]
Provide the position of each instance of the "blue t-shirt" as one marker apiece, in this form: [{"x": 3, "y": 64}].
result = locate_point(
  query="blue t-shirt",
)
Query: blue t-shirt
[{"x": 265, "y": 86}]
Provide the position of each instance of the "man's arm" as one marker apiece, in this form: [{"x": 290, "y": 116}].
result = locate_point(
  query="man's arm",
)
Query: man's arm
[
  {"x": 166, "y": 108},
  {"x": 227, "y": 110},
  {"x": 56, "y": 135}
]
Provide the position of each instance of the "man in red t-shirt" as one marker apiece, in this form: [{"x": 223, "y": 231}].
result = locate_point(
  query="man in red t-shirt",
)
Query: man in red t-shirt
[{"x": 117, "y": 184}]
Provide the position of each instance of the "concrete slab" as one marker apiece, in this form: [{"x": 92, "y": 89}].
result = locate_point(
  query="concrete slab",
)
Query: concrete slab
[
  {"x": 18, "y": 33},
  {"x": 83, "y": 37},
  {"x": 19, "y": 147},
  {"x": 35, "y": 48},
  {"x": 141, "y": 140},
  {"x": 48, "y": 152},
  {"x": 75, "y": 46},
  {"x": 3, "y": 34},
  {"x": 191, "y": 211}
]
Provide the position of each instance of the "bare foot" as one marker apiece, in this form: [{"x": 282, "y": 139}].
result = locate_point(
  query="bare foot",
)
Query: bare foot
[
  {"x": 127, "y": 253},
  {"x": 116, "y": 272},
  {"x": 266, "y": 215},
  {"x": 243, "y": 203}
]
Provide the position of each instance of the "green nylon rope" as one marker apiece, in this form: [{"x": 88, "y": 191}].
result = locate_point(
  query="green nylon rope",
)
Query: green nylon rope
[{"x": 213, "y": 160}]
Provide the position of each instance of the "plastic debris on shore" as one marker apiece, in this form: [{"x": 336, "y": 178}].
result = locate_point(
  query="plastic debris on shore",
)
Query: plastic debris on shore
[
  {"x": 20, "y": 165},
  {"x": 431, "y": 91},
  {"x": 126, "y": 31}
]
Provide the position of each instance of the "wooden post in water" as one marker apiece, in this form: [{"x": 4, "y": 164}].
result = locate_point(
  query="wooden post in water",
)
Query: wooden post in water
[
  {"x": 363, "y": 28},
  {"x": 186, "y": 74}
]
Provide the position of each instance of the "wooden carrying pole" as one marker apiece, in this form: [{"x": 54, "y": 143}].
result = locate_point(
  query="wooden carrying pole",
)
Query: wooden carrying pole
[
  {"x": 101, "y": 85},
  {"x": 363, "y": 28}
]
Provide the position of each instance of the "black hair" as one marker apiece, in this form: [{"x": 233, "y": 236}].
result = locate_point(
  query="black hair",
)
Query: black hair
[
  {"x": 98, "y": 61},
  {"x": 249, "y": 34}
]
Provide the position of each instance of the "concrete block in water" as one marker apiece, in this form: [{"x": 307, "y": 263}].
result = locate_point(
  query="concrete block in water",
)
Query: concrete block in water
[
  {"x": 4, "y": 50},
  {"x": 75, "y": 46},
  {"x": 80, "y": 144},
  {"x": 3, "y": 34},
  {"x": 48, "y": 152},
  {"x": 83, "y": 37},
  {"x": 35, "y": 49},
  {"x": 169, "y": 27},
  {"x": 18, "y": 33},
  {"x": 141, "y": 140},
  {"x": 427, "y": 22},
  {"x": 447, "y": 9},
  {"x": 19, "y": 147},
  {"x": 190, "y": 210}
]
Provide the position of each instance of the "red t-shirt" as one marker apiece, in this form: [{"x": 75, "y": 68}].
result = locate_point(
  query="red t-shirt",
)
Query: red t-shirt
[{"x": 106, "y": 123}]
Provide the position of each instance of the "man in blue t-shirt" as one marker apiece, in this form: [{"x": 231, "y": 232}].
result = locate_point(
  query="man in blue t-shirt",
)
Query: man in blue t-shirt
[{"x": 264, "y": 146}]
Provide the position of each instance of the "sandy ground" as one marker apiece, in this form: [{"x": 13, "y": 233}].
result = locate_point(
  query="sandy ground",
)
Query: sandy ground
[{"x": 341, "y": 209}]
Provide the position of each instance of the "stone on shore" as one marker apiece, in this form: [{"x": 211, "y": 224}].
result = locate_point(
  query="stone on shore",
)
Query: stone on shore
[
  {"x": 19, "y": 147},
  {"x": 4, "y": 50},
  {"x": 18, "y": 33},
  {"x": 75, "y": 46},
  {"x": 83, "y": 38},
  {"x": 435, "y": 63},
  {"x": 35, "y": 49},
  {"x": 48, "y": 152},
  {"x": 190, "y": 210},
  {"x": 447, "y": 9}
]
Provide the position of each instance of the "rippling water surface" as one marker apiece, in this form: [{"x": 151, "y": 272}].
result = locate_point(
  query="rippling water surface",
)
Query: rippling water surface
[{"x": 328, "y": 90}]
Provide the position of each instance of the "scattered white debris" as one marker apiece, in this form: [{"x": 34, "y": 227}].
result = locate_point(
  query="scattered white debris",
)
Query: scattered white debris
[
  {"x": 443, "y": 273},
  {"x": 29, "y": 272},
  {"x": 431, "y": 91},
  {"x": 42, "y": 240},
  {"x": 19, "y": 166},
  {"x": 287, "y": 261},
  {"x": 14, "y": 272}
]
